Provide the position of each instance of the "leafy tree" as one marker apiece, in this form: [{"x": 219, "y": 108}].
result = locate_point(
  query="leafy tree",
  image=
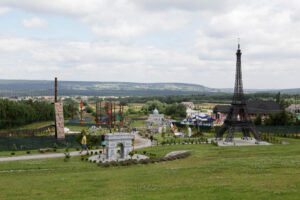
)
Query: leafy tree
[
  {"x": 280, "y": 119},
  {"x": 278, "y": 98},
  {"x": 131, "y": 110},
  {"x": 14, "y": 114},
  {"x": 89, "y": 109},
  {"x": 257, "y": 120}
]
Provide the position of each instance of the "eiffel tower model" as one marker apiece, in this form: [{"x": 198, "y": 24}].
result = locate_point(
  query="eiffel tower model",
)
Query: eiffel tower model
[{"x": 238, "y": 118}]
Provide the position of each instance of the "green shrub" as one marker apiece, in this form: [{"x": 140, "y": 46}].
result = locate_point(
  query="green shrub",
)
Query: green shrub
[
  {"x": 114, "y": 163},
  {"x": 122, "y": 163},
  {"x": 144, "y": 161},
  {"x": 67, "y": 156},
  {"x": 14, "y": 147},
  {"x": 106, "y": 164},
  {"x": 99, "y": 163},
  {"x": 12, "y": 153},
  {"x": 28, "y": 151},
  {"x": 134, "y": 161}
]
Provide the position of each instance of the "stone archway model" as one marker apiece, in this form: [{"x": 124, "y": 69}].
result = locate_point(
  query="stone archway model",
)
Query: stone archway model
[{"x": 112, "y": 141}]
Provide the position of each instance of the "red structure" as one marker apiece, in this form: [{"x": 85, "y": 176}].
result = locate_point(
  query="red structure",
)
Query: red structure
[{"x": 81, "y": 105}]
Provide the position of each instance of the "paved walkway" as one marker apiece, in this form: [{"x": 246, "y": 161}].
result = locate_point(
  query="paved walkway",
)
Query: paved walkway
[{"x": 143, "y": 144}]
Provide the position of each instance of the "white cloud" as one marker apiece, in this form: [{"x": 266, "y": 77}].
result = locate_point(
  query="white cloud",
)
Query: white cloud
[
  {"x": 35, "y": 22},
  {"x": 4, "y": 10},
  {"x": 168, "y": 40}
]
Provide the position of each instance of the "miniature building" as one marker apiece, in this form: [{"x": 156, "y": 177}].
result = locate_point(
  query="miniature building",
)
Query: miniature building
[
  {"x": 265, "y": 108},
  {"x": 156, "y": 118},
  {"x": 112, "y": 142},
  {"x": 293, "y": 108},
  {"x": 189, "y": 104}
]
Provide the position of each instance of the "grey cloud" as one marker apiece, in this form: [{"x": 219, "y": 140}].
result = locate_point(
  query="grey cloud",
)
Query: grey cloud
[{"x": 188, "y": 5}]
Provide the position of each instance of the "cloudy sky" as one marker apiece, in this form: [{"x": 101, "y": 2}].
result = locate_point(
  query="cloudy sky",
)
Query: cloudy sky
[{"x": 189, "y": 41}]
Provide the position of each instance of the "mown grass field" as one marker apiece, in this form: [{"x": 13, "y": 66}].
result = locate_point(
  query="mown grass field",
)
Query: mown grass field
[{"x": 254, "y": 172}]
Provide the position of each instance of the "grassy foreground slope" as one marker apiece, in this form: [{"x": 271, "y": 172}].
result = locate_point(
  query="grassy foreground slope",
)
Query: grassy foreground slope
[{"x": 264, "y": 172}]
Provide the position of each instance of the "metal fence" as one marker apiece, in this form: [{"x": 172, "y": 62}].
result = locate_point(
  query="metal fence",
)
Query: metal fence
[
  {"x": 37, "y": 142},
  {"x": 26, "y": 132},
  {"x": 279, "y": 129},
  {"x": 275, "y": 129}
]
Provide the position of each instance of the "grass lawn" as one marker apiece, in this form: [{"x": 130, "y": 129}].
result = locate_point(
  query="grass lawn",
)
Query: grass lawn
[{"x": 253, "y": 172}]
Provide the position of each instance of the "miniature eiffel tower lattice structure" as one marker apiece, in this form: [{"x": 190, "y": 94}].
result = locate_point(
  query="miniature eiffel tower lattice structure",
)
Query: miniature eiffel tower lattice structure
[{"x": 238, "y": 118}]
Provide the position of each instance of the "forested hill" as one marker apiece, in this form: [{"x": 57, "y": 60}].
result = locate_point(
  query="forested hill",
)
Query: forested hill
[
  {"x": 40, "y": 87},
  {"x": 88, "y": 88}
]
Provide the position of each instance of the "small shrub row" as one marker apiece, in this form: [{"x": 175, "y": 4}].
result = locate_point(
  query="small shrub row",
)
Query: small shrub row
[
  {"x": 143, "y": 161},
  {"x": 271, "y": 139},
  {"x": 184, "y": 141},
  {"x": 94, "y": 153},
  {"x": 285, "y": 135},
  {"x": 215, "y": 143}
]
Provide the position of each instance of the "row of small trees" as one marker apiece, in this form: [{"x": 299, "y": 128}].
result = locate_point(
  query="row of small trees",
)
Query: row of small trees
[
  {"x": 278, "y": 119},
  {"x": 14, "y": 114}
]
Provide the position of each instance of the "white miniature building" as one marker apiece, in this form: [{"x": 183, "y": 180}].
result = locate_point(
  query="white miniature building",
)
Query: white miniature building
[
  {"x": 156, "y": 118},
  {"x": 112, "y": 142}
]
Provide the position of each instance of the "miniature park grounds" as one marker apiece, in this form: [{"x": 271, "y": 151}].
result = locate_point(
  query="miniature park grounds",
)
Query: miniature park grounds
[{"x": 179, "y": 157}]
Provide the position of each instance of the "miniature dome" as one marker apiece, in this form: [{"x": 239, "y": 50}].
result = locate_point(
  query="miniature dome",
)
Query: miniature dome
[{"x": 155, "y": 111}]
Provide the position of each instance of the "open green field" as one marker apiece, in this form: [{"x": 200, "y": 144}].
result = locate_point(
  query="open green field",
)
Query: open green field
[{"x": 254, "y": 172}]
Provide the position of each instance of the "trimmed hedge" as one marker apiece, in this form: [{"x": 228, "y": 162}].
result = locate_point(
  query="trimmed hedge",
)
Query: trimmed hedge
[{"x": 144, "y": 161}]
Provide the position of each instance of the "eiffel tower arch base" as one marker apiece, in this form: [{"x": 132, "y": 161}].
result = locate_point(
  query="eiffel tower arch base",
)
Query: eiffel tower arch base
[{"x": 231, "y": 128}]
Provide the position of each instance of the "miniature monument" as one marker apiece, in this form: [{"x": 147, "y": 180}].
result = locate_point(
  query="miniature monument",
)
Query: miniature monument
[
  {"x": 189, "y": 132},
  {"x": 238, "y": 117},
  {"x": 115, "y": 142},
  {"x": 156, "y": 118},
  {"x": 112, "y": 142},
  {"x": 59, "y": 121}
]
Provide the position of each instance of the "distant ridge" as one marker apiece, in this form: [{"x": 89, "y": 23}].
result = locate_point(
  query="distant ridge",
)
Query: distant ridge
[{"x": 95, "y": 88}]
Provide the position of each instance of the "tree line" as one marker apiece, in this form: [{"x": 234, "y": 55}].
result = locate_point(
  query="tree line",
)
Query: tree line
[
  {"x": 175, "y": 110},
  {"x": 13, "y": 114},
  {"x": 278, "y": 119},
  {"x": 283, "y": 99}
]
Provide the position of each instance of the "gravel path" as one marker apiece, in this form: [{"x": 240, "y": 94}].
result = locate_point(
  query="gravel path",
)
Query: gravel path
[{"x": 143, "y": 143}]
